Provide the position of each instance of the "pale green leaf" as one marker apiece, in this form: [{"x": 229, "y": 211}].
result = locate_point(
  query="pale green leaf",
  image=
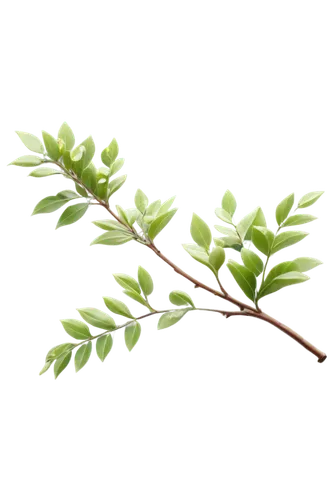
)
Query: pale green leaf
[
  {"x": 297, "y": 220},
  {"x": 141, "y": 201},
  {"x": 49, "y": 204},
  {"x": 110, "y": 153},
  {"x": 112, "y": 238},
  {"x": 200, "y": 232},
  {"x": 67, "y": 194},
  {"x": 229, "y": 203},
  {"x": 61, "y": 363},
  {"x": 199, "y": 254},
  {"x": 110, "y": 225},
  {"x": 132, "y": 335},
  {"x": 171, "y": 318},
  {"x": 145, "y": 281},
  {"x": 252, "y": 261},
  {"x": 160, "y": 222},
  {"x": 244, "y": 225},
  {"x": 46, "y": 367},
  {"x": 283, "y": 209},
  {"x": 244, "y": 277},
  {"x": 116, "y": 166},
  {"x": 287, "y": 239},
  {"x": 217, "y": 257},
  {"x": 166, "y": 206},
  {"x": 76, "y": 329},
  {"x": 27, "y": 161},
  {"x": 153, "y": 208},
  {"x": 301, "y": 264},
  {"x": 44, "y": 172},
  {"x": 58, "y": 351},
  {"x": 223, "y": 215},
  {"x": 179, "y": 298},
  {"x": 67, "y": 137},
  {"x": 309, "y": 199},
  {"x": 116, "y": 184},
  {"x": 136, "y": 296},
  {"x": 97, "y": 318},
  {"x": 127, "y": 282},
  {"x": 259, "y": 220},
  {"x": 103, "y": 346},
  {"x": 131, "y": 215},
  {"x": 51, "y": 145},
  {"x": 229, "y": 242},
  {"x": 72, "y": 214},
  {"x": 281, "y": 281},
  {"x": 117, "y": 307},
  {"x": 81, "y": 191},
  {"x": 228, "y": 232},
  {"x": 82, "y": 356},
  {"x": 31, "y": 142},
  {"x": 262, "y": 239}
]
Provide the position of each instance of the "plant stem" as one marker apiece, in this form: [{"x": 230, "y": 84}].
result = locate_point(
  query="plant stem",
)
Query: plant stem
[{"x": 245, "y": 310}]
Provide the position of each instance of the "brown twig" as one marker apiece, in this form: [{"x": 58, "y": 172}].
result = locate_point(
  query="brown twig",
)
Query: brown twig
[{"x": 244, "y": 309}]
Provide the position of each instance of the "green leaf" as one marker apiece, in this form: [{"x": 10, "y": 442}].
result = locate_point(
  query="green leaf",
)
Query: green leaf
[
  {"x": 49, "y": 204},
  {"x": 153, "y": 208},
  {"x": 229, "y": 203},
  {"x": 89, "y": 177},
  {"x": 200, "y": 232},
  {"x": 145, "y": 281},
  {"x": 110, "y": 153},
  {"x": 116, "y": 166},
  {"x": 223, "y": 215},
  {"x": 27, "y": 161},
  {"x": 199, "y": 254},
  {"x": 81, "y": 190},
  {"x": 127, "y": 282},
  {"x": 122, "y": 215},
  {"x": 31, "y": 142},
  {"x": 283, "y": 209},
  {"x": 72, "y": 214},
  {"x": 51, "y": 145},
  {"x": 160, "y": 222},
  {"x": 58, "y": 351},
  {"x": 67, "y": 137},
  {"x": 117, "y": 307},
  {"x": 76, "y": 329},
  {"x": 287, "y": 239},
  {"x": 244, "y": 225},
  {"x": 179, "y": 298},
  {"x": 97, "y": 318},
  {"x": 171, "y": 318},
  {"x": 110, "y": 225},
  {"x": 102, "y": 187},
  {"x": 262, "y": 239},
  {"x": 301, "y": 264},
  {"x": 309, "y": 199},
  {"x": 230, "y": 237},
  {"x": 297, "y": 220},
  {"x": 89, "y": 146},
  {"x": 245, "y": 278},
  {"x": 259, "y": 220},
  {"x": 44, "y": 172},
  {"x": 103, "y": 346},
  {"x": 141, "y": 201},
  {"x": 61, "y": 363},
  {"x": 132, "y": 335},
  {"x": 46, "y": 367},
  {"x": 112, "y": 238},
  {"x": 283, "y": 280},
  {"x": 131, "y": 215},
  {"x": 82, "y": 356},
  {"x": 136, "y": 296},
  {"x": 116, "y": 184},
  {"x": 166, "y": 206},
  {"x": 217, "y": 257},
  {"x": 67, "y": 195},
  {"x": 252, "y": 261}
]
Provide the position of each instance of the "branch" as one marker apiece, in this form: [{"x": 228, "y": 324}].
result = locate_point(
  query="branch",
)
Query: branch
[{"x": 245, "y": 310}]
